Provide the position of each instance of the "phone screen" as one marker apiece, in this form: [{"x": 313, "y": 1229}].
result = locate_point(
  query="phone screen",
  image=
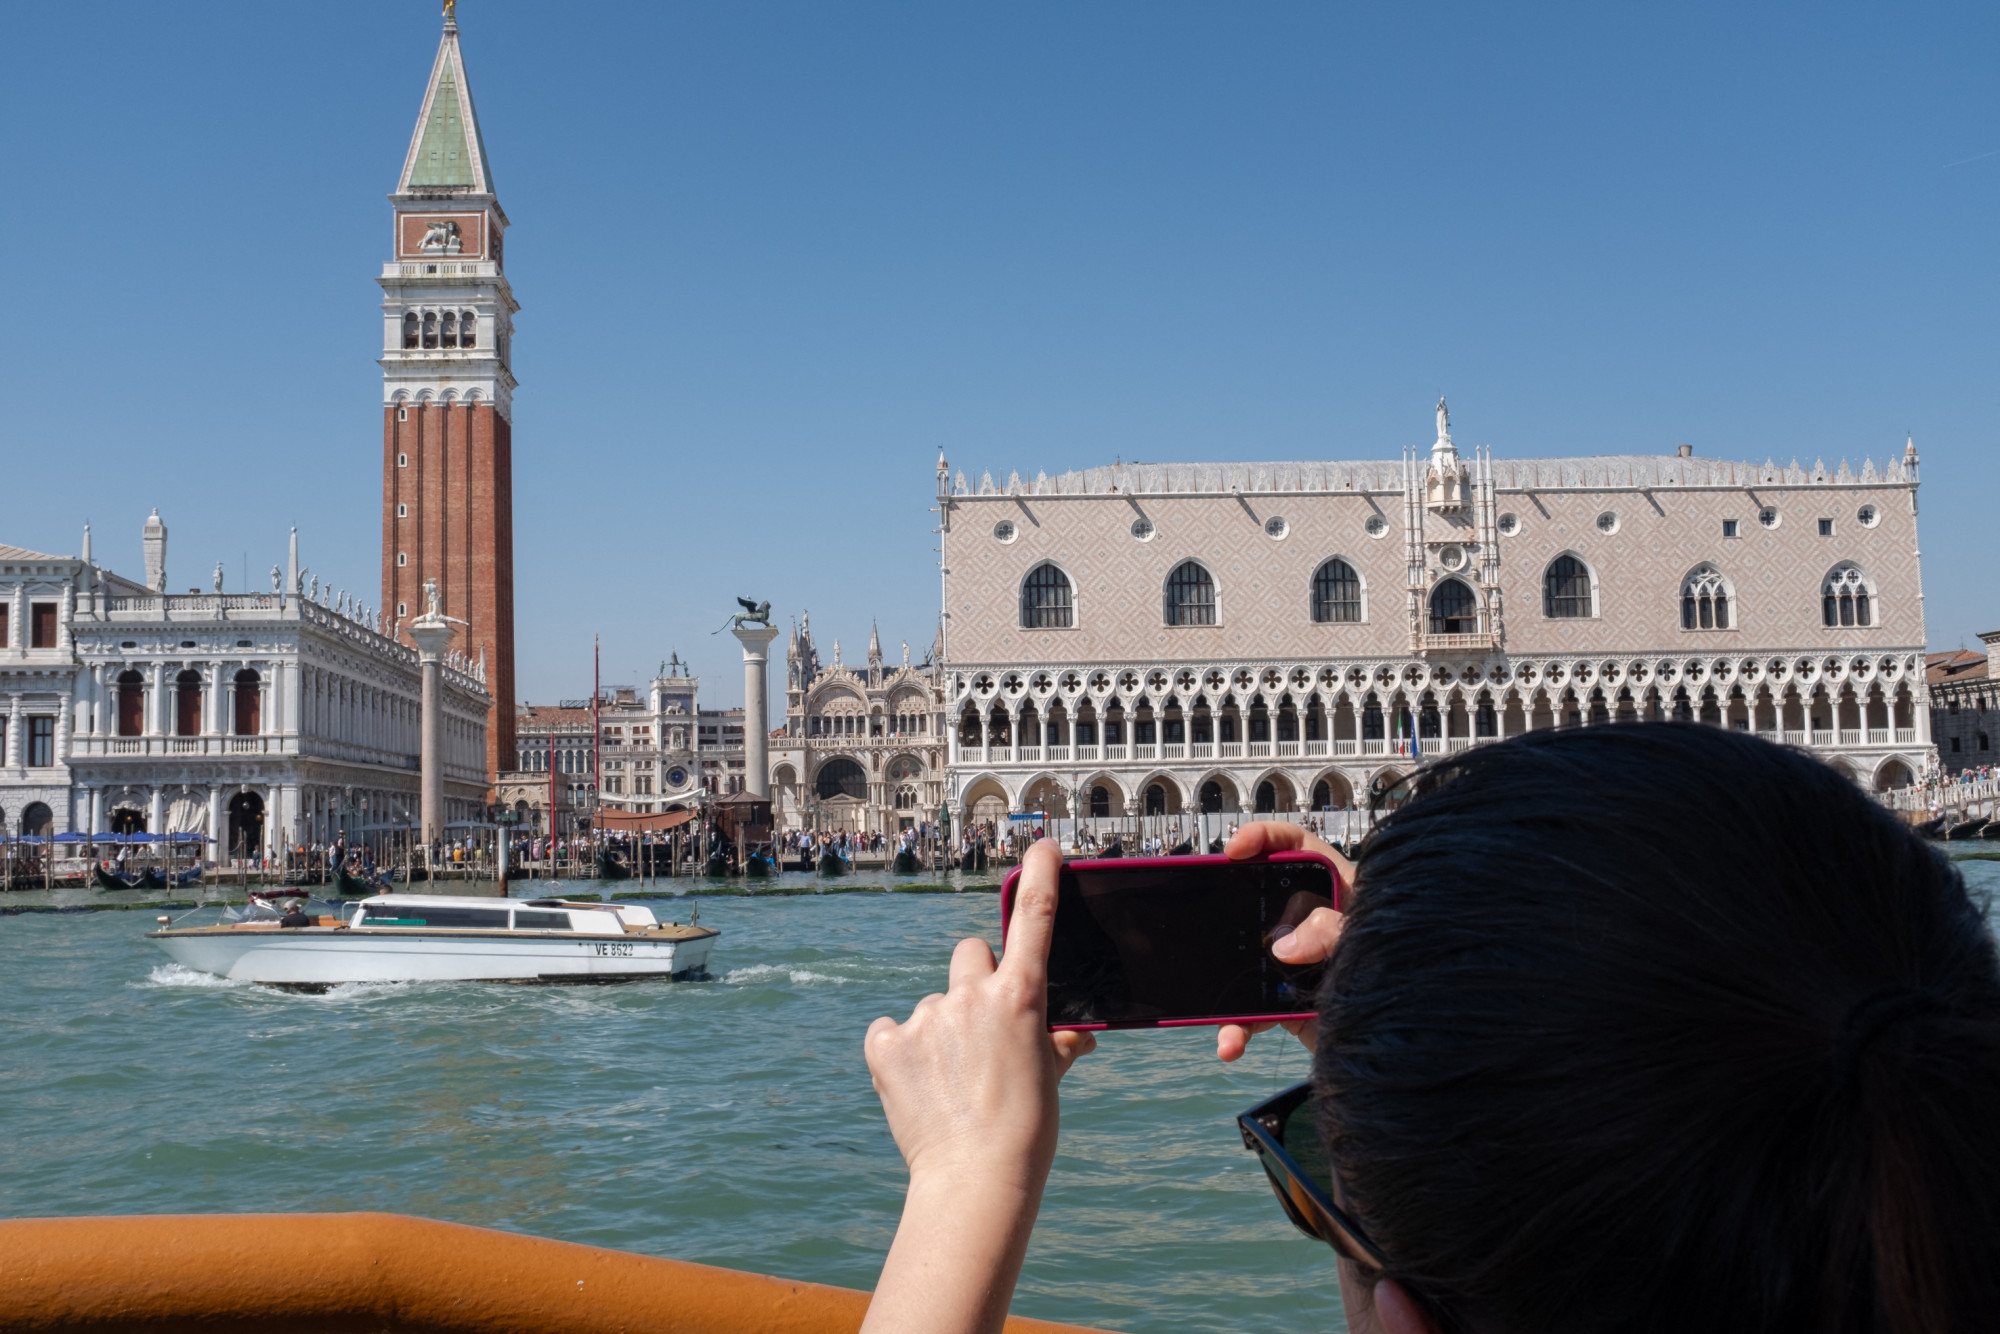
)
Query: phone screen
[{"x": 1159, "y": 944}]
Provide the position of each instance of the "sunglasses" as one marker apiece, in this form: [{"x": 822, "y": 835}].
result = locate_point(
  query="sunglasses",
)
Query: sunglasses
[{"x": 1284, "y": 1134}]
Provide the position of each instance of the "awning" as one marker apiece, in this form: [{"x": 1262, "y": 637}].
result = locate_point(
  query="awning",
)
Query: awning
[{"x": 626, "y": 820}]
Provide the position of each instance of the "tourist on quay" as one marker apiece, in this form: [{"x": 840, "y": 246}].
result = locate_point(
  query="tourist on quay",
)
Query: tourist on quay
[{"x": 1569, "y": 1073}]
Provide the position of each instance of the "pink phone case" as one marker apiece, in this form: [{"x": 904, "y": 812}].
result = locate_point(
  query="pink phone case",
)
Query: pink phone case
[{"x": 1007, "y": 887}]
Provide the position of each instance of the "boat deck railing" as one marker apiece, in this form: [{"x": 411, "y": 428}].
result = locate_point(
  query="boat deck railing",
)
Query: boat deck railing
[{"x": 246, "y": 1273}]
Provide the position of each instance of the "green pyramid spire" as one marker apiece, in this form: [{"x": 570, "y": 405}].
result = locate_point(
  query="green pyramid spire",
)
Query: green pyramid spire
[{"x": 444, "y": 154}]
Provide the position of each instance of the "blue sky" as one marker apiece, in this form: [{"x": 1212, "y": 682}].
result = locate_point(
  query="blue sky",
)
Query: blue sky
[{"x": 772, "y": 257}]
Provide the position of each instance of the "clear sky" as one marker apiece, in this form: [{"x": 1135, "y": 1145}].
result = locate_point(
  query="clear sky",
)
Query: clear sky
[{"x": 771, "y": 257}]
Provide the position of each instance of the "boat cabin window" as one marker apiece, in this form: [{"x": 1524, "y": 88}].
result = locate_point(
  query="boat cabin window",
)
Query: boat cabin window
[
  {"x": 462, "y": 919},
  {"x": 527, "y": 919}
]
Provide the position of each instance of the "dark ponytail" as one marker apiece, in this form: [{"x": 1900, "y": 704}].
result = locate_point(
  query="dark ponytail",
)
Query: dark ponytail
[{"x": 1663, "y": 1028}]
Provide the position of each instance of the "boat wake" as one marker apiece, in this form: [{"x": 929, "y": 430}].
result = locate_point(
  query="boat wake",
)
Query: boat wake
[{"x": 173, "y": 975}]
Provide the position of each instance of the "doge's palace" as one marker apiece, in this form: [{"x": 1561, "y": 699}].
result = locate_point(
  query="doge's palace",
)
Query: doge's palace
[{"x": 1159, "y": 638}]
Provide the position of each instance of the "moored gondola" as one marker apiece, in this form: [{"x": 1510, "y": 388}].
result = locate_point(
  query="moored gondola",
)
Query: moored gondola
[
  {"x": 611, "y": 866},
  {"x": 1184, "y": 848},
  {"x": 1933, "y": 827},
  {"x": 757, "y": 866},
  {"x": 105, "y": 878},
  {"x": 1990, "y": 830},
  {"x": 905, "y": 863},
  {"x": 718, "y": 864},
  {"x": 1115, "y": 848},
  {"x": 1965, "y": 829},
  {"x": 832, "y": 863}
]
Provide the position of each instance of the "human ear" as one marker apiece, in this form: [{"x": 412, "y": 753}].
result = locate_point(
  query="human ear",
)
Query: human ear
[{"x": 1399, "y": 1312}]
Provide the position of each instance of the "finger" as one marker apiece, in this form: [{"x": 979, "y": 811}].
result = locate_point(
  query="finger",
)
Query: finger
[
  {"x": 973, "y": 959},
  {"x": 1312, "y": 940},
  {"x": 1263, "y": 837},
  {"x": 1231, "y": 1040},
  {"x": 879, "y": 1034},
  {"x": 1070, "y": 1045},
  {"x": 1034, "y": 920}
]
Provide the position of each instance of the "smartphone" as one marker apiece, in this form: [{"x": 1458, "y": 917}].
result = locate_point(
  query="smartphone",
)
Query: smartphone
[{"x": 1168, "y": 941}]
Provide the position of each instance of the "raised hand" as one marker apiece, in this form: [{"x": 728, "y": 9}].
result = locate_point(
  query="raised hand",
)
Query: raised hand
[
  {"x": 968, "y": 1083},
  {"x": 1310, "y": 941}
]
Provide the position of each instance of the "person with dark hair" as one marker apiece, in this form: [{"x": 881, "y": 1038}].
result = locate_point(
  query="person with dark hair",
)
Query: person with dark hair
[{"x": 1638, "y": 1028}]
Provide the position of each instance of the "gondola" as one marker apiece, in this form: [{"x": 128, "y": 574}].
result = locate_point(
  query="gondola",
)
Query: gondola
[
  {"x": 905, "y": 863},
  {"x": 1932, "y": 827},
  {"x": 757, "y": 866},
  {"x": 1990, "y": 830},
  {"x": 832, "y": 863},
  {"x": 1217, "y": 843},
  {"x": 1116, "y": 848},
  {"x": 1965, "y": 829},
  {"x": 1184, "y": 848},
  {"x": 107, "y": 879},
  {"x": 358, "y": 884},
  {"x": 718, "y": 864},
  {"x": 610, "y": 866},
  {"x": 181, "y": 879}
]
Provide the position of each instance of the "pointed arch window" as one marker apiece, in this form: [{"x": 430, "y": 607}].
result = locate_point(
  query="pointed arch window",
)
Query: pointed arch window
[
  {"x": 1846, "y": 598},
  {"x": 1704, "y": 600},
  {"x": 1454, "y": 610},
  {"x": 1336, "y": 594},
  {"x": 1566, "y": 589},
  {"x": 1046, "y": 600},
  {"x": 1190, "y": 596}
]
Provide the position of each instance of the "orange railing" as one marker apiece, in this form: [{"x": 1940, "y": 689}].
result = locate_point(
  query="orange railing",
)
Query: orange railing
[{"x": 322, "y": 1273}]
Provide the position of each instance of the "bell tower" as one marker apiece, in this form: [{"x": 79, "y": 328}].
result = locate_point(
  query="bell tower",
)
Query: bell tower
[{"x": 447, "y": 392}]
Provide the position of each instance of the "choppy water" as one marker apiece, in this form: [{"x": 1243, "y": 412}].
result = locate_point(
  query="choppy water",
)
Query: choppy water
[{"x": 728, "y": 1121}]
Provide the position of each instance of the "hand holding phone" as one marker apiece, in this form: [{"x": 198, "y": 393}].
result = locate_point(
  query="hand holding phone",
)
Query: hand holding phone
[
  {"x": 1172, "y": 941},
  {"x": 1311, "y": 942}
]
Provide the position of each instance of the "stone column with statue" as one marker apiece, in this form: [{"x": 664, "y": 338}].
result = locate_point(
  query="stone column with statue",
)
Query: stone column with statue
[
  {"x": 432, "y": 634},
  {"x": 753, "y": 630}
]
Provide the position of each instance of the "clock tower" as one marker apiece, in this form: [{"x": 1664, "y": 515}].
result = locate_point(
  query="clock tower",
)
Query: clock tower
[{"x": 448, "y": 392}]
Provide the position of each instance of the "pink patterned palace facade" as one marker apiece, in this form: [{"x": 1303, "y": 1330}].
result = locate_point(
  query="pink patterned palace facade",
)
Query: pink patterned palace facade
[{"x": 1160, "y": 638}]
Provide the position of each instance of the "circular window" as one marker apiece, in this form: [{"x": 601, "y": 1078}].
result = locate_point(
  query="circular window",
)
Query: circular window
[
  {"x": 1004, "y": 531},
  {"x": 677, "y": 776},
  {"x": 1143, "y": 529},
  {"x": 1768, "y": 517},
  {"x": 1607, "y": 522},
  {"x": 1275, "y": 526},
  {"x": 1376, "y": 525},
  {"x": 1868, "y": 516},
  {"x": 1452, "y": 558},
  {"x": 1509, "y": 524}
]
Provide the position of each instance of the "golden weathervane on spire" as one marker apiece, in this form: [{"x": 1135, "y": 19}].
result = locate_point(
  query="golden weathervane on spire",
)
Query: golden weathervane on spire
[{"x": 451, "y": 9}]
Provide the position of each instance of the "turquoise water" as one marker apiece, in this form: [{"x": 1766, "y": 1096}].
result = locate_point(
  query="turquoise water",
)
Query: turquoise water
[{"x": 728, "y": 1121}]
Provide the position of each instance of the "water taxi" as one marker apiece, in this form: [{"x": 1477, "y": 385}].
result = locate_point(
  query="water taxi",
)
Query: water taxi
[{"x": 445, "y": 938}]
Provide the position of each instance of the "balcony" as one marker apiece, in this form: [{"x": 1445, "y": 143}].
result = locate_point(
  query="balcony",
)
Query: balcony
[
  {"x": 1259, "y": 749},
  {"x": 1058, "y": 754},
  {"x": 1287, "y": 748},
  {"x": 1174, "y": 751},
  {"x": 1029, "y": 755},
  {"x": 1376, "y": 746},
  {"x": 1086, "y": 753},
  {"x": 1231, "y": 750},
  {"x": 1822, "y": 736},
  {"x": 1114, "y": 752},
  {"x": 1878, "y": 736},
  {"x": 1906, "y": 736},
  {"x": 1347, "y": 747},
  {"x": 1791, "y": 738},
  {"x": 1144, "y": 752},
  {"x": 1317, "y": 748},
  {"x": 1483, "y": 642}
]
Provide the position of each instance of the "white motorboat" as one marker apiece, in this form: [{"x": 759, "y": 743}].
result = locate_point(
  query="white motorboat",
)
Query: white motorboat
[{"x": 446, "y": 938}]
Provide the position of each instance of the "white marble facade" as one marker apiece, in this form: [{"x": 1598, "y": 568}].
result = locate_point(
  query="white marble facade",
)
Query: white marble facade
[
  {"x": 259, "y": 718},
  {"x": 862, "y": 748},
  {"x": 1172, "y": 637}
]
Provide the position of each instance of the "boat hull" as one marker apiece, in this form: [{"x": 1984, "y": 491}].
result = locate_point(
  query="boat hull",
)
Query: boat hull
[{"x": 319, "y": 957}]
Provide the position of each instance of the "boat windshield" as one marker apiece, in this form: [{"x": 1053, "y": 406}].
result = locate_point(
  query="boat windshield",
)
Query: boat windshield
[
  {"x": 528, "y": 919},
  {"x": 431, "y": 915}
]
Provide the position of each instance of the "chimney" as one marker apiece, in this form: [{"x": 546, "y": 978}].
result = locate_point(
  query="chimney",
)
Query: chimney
[
  {"x": 156, "y": 553},
  {"x": 1687, "y": 451}
]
